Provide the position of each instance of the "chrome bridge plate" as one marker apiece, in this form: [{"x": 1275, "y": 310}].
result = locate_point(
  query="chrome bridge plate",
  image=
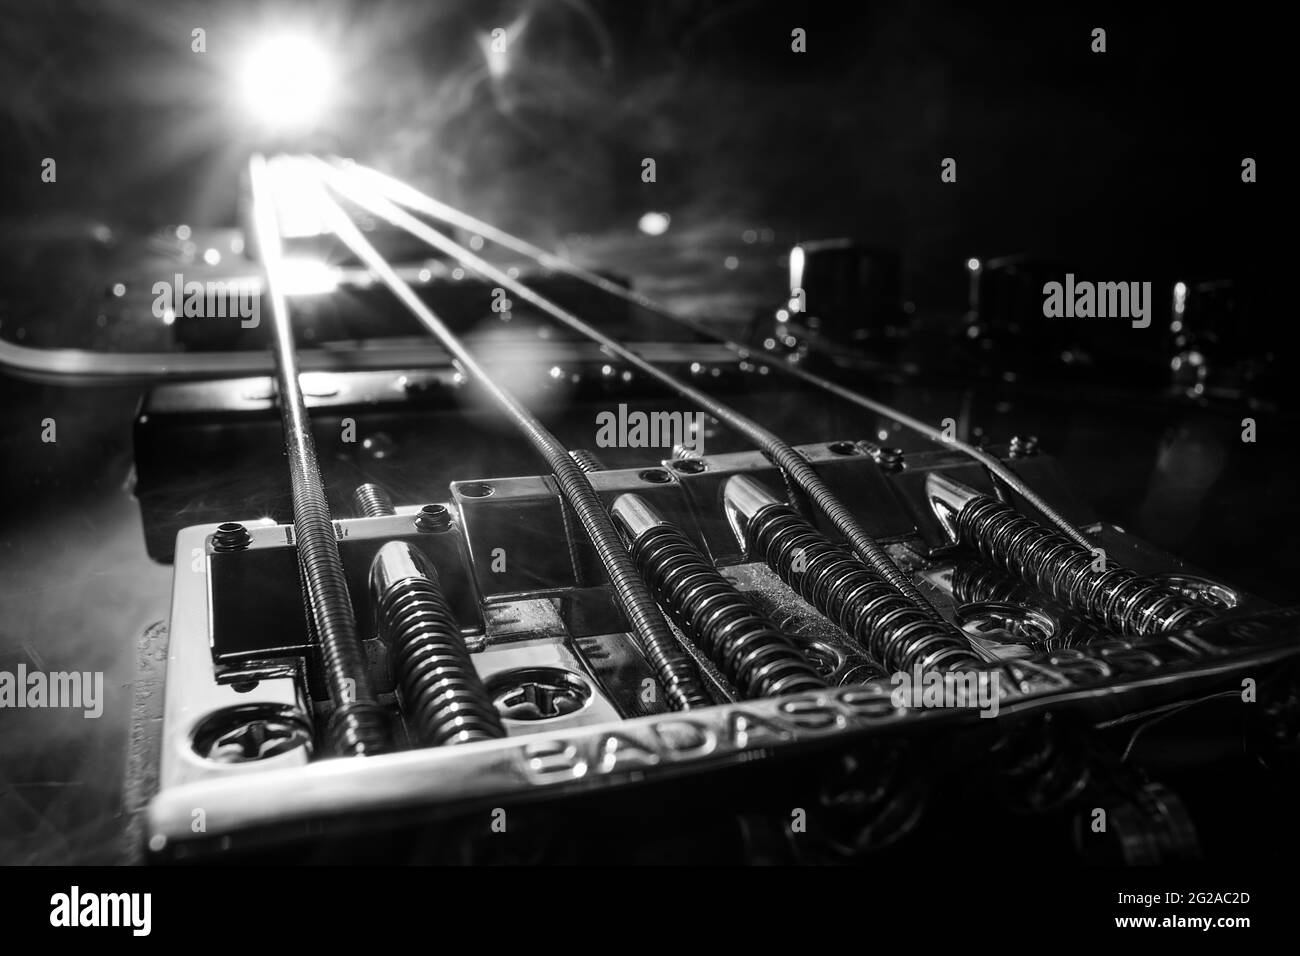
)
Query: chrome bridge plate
[{"x": 584, "y": 715}]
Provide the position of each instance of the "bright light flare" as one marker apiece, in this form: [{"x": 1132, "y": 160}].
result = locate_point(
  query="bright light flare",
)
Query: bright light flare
[
  {"x": 303, "y": 276},
  {"x": 285, "y": 83},
  {"x": 296, "y": 193},
  {"x": 798, "y": 259},
  {"x": 1180, "y": 298},
  {"x": 654, "y": 223}
]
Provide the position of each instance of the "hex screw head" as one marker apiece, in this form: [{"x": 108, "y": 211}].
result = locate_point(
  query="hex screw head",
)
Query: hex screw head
[
  {"x": 891, "y": 459},
  {"x": 231, "y": 536},
  {"x": 433, "y": 519}
]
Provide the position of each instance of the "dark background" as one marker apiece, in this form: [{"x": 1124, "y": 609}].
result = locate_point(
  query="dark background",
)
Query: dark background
[{"x": 1134, "y": 153}]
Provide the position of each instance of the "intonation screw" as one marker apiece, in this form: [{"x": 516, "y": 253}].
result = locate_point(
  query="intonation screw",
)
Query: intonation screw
[
  {"x": 372, "y": 501},
  {"x": 740, "y": 640},
  {"x": 879, "y": 618},
  {"x": 442, "y": 696},
  {"x": 587, "y": 460},
  {"x": 1111, "y": 595}
]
